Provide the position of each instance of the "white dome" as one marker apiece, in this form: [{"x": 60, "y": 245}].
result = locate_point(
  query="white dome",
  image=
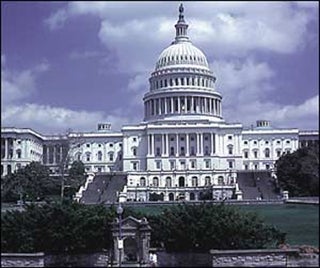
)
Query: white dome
[{"x": 181, "y": 53}]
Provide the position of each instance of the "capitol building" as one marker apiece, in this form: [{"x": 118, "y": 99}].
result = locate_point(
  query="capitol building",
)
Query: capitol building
[{"x": 182, "y": 149}]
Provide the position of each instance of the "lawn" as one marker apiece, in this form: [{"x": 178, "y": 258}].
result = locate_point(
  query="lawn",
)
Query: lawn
[{"x": 300, "y": 222}]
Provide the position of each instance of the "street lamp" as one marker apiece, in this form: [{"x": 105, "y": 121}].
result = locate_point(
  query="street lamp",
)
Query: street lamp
[{"x": 120, "y": 241}]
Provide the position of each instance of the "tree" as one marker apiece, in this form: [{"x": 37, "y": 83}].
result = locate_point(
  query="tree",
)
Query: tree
[
  {"x": 76, "y": 177},
  {"x": 30, "y": 183},
  {"x": 298, "y": 172},
  {"x": 69, "y": 142},
  {"x": 206, "y": 226}
]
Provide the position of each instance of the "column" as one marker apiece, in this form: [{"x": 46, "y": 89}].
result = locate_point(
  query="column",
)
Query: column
[
  {"x": 162, "y": 144},
  {"x": 187, "y": 144},
  {"x": 212, "y": 143},
  {"x": 172, "y": 107},
  {"x": 198, "y": 144},
  {"x": 205, "y": 105},
  {"x": 53, "y": 154},
  {"x": 179, "y": 105},
  {"x": 6, "y": 148},
  {"x": 149, "y": 144},
  {"x": 192, "y": 103},
  {"x": 185, "y": 104},
  {"x": 201, "y": 143},
  {"x": 167, "y": 144},
  {"x": 152, "y": 144},
  {"x": 177, "y": 144},
  {"x": 165, "y": 105}
]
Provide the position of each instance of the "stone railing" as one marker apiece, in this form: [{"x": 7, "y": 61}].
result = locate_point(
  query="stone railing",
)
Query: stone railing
[{"x": 85, "y": 187}]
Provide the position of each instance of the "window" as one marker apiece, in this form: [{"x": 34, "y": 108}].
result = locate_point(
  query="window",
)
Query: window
[
  {"x": 134, "y": 165},
  {"x": 246, "y": 167},
  {"x": 18, "y": 153},
  {"x": 182, "y": 138},
  {"x": 194, "y": 181},
  {"x": 193, "y": 163},
  {"x": 111, "y": 145},
  {"x": 134, "y": 151},
  {"x": 229, "y": 137},
  {"x": 142, "y": 181},
  {"x": 87, "y": 157},
  {"x": 245, "y": 154},
  {"x": 255, "y": 153},
  {"x": 230, "y": 164},
  {"x": 99, "y": 145},
  {"x": 255, "y": 166},
  {"x": 267, "y": 166},
  {"x": 230, "y": 150},
  {"x": 245, "y": 142},
  {"x": 158, "y": 151},
  {"x": 158, "y": 138},
  {"x": 168, "y": 182},
  {"x": 207, "y": 181},
  {"x": 99, "y": 156},
  {"x": 267, "y": 142},
  {"x": 172, "y": 139},
  {"x": 172, "y": 164},
  {"x": 182, "y": 151},
  {"x": 278, "y": 142},
  {"x": 206, "y": 138},
  {"x": 171, "y": 150},
  {"x": 155, "y": 181},
  {"x": 88, "y": 145},
  {"x": 134, "y": 139},
  {"x": 183, "y": 164},
  {"x": 111, "y": 157},
  {"x": 278, "y": 153},
  {"x": 254, "y": 142},
  {"x": 192, "y": 138},
  {"x": 267, "y": 153},
  {"x": 158, "y": 164},
  {"x": 19, "y": 141},
  {"x": 192, "y": 151},
  {"x": 207, "y": 163}
]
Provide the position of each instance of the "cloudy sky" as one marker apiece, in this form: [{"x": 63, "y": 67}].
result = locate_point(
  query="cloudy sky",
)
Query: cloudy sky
[{"x": 75, "y": 64}]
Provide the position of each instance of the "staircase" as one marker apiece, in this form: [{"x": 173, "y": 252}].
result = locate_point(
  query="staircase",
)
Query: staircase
[
  {"x": 256, "y": 185},
  {"x": 104, "y": 188}
]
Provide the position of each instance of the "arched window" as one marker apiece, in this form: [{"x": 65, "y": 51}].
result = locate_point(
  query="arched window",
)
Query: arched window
[
  {"x": 142, "y": 181},
  {"x": 207, "y": 180},
  {"x": 168, "y": 182},
  {"x": 99, "y": 156},
  {"x": 171, "y": 197},
  {"x": 194, "y": 181},
  {"x": 181, "y": 181},
  {"x": 230, "y": 149},
  {"x": 220, "y": 180},
  {"x": 206, "y": 150},
  {"x": 267, "y": 153},
  {"x": 155, "y": 182}
]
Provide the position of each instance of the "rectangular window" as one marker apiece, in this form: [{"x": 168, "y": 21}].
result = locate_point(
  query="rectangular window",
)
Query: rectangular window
[
  {"x": 207, "y": 163},
  {"x": 182, "y": 151},
  {"x": 158, "y": 164},
  {"x": 110, "y": 157},
  {"x": 193, "y": 163},
  {"x": 278, "y": 153},
  {"x": 230, "y": 164},
  {"x": 246, "y": 167},
  {"x": 134, "y": 165},
  {"x": 255, "y": 154},
  {"x": 192, "y": 151},
  {"x": 267, "y": 167},
  {"x": 183, "y": 164},
  {"x": 230, "y": 150},
  {"x": 158, "y": 151},
  {"x": 172, "y": 164},
  {"x": 171, "y": 150},
  {"x": 245, "y": 154}
]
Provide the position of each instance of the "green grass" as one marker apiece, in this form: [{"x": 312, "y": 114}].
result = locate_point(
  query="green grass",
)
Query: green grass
[{"x": 300, "y": 222}]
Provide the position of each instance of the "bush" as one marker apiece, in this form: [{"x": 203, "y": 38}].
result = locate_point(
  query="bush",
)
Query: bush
[{"x": 206, "y": 226}]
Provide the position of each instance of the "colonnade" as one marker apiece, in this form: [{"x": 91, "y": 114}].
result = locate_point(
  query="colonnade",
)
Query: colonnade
[
  {"x": 197, "y": 144},
  {"x": 6, "y": 148},
  {"x": 52, "y": 153},
  {"x": 182, "y": 104},
  {"x": 190, "y": 81}
]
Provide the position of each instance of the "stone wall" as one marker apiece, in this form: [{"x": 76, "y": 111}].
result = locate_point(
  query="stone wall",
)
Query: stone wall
[
  {"x": 22, "y": 259},
  {"x": 256, "y": 258},
  {"x": 184, "y": 259}
]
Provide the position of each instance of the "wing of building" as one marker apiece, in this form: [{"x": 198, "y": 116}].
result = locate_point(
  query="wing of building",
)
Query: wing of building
[{"x": 181, "y": 149}]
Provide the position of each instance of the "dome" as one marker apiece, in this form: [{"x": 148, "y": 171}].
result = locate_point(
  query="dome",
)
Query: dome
[{"x": 181, "y": 53}]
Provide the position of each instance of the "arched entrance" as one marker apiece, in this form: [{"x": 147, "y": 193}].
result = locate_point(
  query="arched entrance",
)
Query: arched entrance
[
  {"x": 130, "y": 250},
  {"x": 171, "y": 197},
  {"x": 192, "y": 196},
  {"x": 181, "y": 181}
]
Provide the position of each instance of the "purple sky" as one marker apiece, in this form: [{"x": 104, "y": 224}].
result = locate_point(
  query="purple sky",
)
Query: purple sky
[{"x": 75, "y": 64}]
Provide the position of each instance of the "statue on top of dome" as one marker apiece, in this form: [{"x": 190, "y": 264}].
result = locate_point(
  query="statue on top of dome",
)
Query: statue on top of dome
[{"x": 181, "y": 9}]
